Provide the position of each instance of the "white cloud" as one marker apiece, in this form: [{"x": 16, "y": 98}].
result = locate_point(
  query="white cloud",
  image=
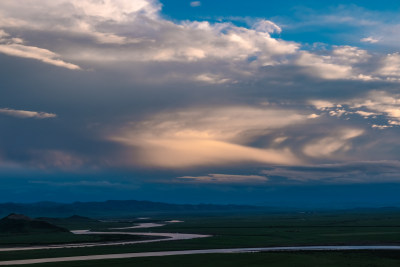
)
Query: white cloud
[
  {"x": 111, "y": 32},
  {"x": 3, "y": 34},
  {"x": 339, "y": 63},
  {"x": 380, "y": 127},
  {"x": 211, "y": 78},
  {"x": 26, "y": 114},
  {"x": 324, "y": 67},
  {"x": 108, "y": 33},
  {"x": 338, "y": 112},
  {"x": 365, "y": 114},
  {"x": 322, "y": 104},
  {"x": 313, "y": 116},
  {"x": 15, "y": 47},
  {"x": 37, "y": 53},
  {"x": 349, "y": 55},
  {"x": 380, "y": 103},
  {"x": 226, "y": 179},
  {"x": 369, "y": 106},
  {"x": 195, "y": 3},
  {"x": 370, "y": 40},
  {"x": 266, "y": 26},
  {"x": 390, "y": 67},
  {"x": 117, "y": 10}
]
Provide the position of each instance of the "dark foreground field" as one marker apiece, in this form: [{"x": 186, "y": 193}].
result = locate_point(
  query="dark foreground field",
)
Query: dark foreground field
[
  {"x": 281, "y": 259},
  {"x": 379, "y": 227}
]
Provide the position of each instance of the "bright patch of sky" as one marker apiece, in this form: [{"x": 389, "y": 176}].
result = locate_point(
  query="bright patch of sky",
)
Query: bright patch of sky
[{"x": 310, "y": 22}]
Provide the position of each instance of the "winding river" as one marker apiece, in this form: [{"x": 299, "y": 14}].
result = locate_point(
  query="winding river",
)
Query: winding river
[{"x": 164, "y": 237}]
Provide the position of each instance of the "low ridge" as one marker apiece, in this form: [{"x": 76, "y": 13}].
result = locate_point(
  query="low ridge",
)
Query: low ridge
[{"x": 19, "y": 223}]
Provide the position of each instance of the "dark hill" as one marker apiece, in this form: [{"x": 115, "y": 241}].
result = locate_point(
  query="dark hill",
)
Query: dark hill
[
  {"x": 17, "y": 223},
  {"x": 73, "y": 218}
]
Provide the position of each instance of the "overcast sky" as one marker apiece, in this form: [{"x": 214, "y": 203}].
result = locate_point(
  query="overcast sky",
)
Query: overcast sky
[{"x": 197, "y": 101}]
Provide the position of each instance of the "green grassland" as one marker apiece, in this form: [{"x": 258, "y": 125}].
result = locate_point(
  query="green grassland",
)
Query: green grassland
[
  {"x": 275, "y": 259},
  {"x": 34, "y": 236},
  {"x": 249, "y": 230},
  {"x": 60, "y": 238}
]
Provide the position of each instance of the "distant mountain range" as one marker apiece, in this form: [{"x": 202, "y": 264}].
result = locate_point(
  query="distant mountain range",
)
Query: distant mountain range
[
  {"x": 133, "y": 208},
  {"x": 115, "y": 208}
]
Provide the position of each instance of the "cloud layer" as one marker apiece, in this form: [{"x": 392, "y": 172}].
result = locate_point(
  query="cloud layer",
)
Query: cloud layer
[
  {"x": 26, "y": 114},
  {"x": 136, "y": 91}
]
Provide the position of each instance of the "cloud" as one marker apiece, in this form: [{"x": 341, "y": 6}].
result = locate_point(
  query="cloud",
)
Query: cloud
[
  {"x": 342, "y": 62},
  {"x": 188, "y": 94},
  {"x": 37, "y": 53},
  {"x": 226, "y": 179},
  {"x": 212, "y": 78},
  {"x": 198, "y": 137},
  {"x": 113, "y": 34},
  {"x": 26, "y": 114},
  {"x": 121, "y": 34},
  {"x": 390, "y": 67},
  {"x": 323, "y": 67},
  {"x": 370, "y": 40},
  {"x": 347, "y": 172},
  {"x": 266, "y": 26},
  {"x": 322, "y": 104},
  {"x": 336, "y": 142},
  {"x": 117, "y": 10},
  {"x": 55, "y": 159},
  {"x": 380, "y": 103},
  {"x": 124, "y": 34},
  {"x": 375, "y": 106},
  {"x": 195, "y": 3},
  {"x": 15, "y": 47}
]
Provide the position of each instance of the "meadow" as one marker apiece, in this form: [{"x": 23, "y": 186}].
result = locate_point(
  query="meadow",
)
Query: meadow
[{"x": 237, "y": 230}]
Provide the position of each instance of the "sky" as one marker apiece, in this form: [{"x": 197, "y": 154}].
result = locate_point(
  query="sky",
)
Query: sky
[{"x": 289, "y": 103}]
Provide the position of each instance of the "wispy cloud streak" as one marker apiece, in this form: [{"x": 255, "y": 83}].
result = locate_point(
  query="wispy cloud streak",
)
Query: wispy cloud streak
[{"x": 26, "y": 114}]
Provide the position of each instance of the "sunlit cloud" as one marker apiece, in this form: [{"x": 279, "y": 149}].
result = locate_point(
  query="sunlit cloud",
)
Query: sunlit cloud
[
  {"x": 26, "y": 114},
  {"x": 201, "y": 137}
]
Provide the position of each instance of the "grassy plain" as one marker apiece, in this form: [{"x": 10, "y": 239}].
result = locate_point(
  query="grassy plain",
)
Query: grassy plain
[
  {"x": 250, "y": 230},
  {"x": 281, "y": 259},
  {"x": 60, "y": 238}
]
